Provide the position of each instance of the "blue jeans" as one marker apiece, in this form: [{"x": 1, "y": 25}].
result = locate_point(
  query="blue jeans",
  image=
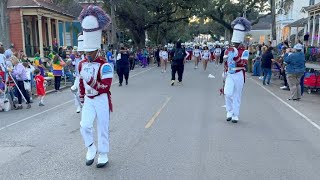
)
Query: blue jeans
[
  {"x": 267, "y": 72},
  {"x": 257, "y": 68}
]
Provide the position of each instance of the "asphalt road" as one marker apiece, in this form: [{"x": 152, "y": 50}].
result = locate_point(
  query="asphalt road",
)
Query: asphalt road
[{"x": 163, "y": 132}]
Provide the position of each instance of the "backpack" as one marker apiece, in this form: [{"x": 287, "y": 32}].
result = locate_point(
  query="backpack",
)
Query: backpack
[{"x": 179, "y": 55}]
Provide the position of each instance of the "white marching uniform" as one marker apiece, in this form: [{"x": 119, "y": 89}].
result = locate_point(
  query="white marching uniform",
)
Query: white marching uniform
[
  {"x": 95, "y": 80},
  {"x": 164, "y": 55},
  {"x": 205, "y": 55},
  {"x": 196, "y": 53}
]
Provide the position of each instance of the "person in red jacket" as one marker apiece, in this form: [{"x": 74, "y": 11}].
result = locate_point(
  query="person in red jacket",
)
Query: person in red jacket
[
  {"x": 95, "y": 83},
  {"x": 237, "y": 58}
]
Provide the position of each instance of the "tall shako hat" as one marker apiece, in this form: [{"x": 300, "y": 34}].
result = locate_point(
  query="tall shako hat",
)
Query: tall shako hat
[
  {"x": 93, "y": 21},
  {"x": 240, "y": 26},
  {"x": 80, "y": 43}
]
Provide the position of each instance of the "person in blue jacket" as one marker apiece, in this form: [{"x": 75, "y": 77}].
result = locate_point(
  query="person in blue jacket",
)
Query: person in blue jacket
[{"x": 295, "y": 60}]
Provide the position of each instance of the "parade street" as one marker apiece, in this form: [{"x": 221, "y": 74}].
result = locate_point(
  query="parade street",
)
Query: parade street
[{"x": 160, "y": 132}]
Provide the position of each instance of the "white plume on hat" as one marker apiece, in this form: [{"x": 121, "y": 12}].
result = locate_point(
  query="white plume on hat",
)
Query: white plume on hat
[
  {"x": 80, "y": 43},
  {"x": 93, "y": 21},
  {"x": 240, "y": 27}
]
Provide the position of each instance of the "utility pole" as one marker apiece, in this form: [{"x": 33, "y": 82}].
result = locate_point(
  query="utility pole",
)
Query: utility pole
[{"x": 273, "y": 15}]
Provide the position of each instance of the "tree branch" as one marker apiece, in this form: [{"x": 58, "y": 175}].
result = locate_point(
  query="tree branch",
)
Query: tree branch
[{"x": 258, "y": 19}]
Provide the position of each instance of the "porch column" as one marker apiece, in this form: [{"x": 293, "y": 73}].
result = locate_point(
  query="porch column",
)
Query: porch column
[
  {"x": 64, "y": 33},
  {"x": 57, "y": 32},
  {"x": 313, "y": 30},
  {"x": 22, "y": 29},
  {"x": 309, "y": 25},
  {"x": 49, "y": 32},
  {"x": 40, "y": 35}
]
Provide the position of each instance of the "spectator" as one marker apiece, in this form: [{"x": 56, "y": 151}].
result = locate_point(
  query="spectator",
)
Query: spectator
[
  {"x": 267, "y": 59},
  {"x": 283, "y": 71},
  {"x": 19, "y": 74},
  {"x": 9, "y": 52},
  {"x": 2, "y": 94},
  {"x": 27, "y": 82},
  {"x": 39, "y": 64},
  {"x": 40, "y": 81},
  {"x": 2, "y": 59},
  {"x": 295, "y": 70},
  {"x": 257, "y": 62},
  {"x": 57, "y": 66}
]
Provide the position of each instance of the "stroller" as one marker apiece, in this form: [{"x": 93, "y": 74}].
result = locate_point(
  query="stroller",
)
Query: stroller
[
  {"x": 312, "y": 80},
  {"x": 4, "y": 99}
]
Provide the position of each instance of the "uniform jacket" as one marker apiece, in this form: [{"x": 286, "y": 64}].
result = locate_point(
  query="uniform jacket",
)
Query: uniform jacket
[{"x": 95, "y": 79}]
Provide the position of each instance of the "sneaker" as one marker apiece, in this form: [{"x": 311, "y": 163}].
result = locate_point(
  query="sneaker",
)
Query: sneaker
[
  {"x": 180, "y": 83},
  {"x": 172, "y": 82},
  {"x": 28, "y": 106},
  {"x": 78, "y": 109},
  {"x": 229, "y": 116},
  {"x": 91, "y": 154},
  {"x": 261, "y": 77},
  {"x": 120, "y": 84},
  {"x": 40, "y": 104},
  {"x": 102, "y": 160},
  {"x": 127, "y": 83},
  {"x": 284, "y": 87}
]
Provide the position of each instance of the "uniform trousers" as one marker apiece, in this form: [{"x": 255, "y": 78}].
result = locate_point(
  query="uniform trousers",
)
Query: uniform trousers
[
  {"x": 97, "y": 108},
  {"x": 233, "y": 91}
]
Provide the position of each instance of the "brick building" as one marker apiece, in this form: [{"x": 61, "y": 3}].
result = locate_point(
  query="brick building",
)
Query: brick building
[{"x": 37, "y": 26}]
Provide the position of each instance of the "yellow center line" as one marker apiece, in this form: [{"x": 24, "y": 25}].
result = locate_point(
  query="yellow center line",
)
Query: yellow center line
[{"x": 154, "y": 117}]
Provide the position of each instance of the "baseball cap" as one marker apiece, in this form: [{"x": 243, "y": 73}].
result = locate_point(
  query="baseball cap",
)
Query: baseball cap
[{"x": 298, "y": 46}]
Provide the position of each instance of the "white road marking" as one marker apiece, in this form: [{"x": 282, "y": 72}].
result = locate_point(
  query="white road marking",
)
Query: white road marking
[
  {"x": 288, "y": 105},
  {"x": 55, "y": 107},
  {"x": 17, "y": 122}
]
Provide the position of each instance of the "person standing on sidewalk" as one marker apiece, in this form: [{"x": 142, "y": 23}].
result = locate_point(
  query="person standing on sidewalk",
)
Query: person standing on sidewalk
[
  {"x": 19, "y": 74},
  {"x": 177, "y": 65},
  {"x": 295, "y": 70},
  {"x": 267, "y": 60},
  {"x": 57, "y": 67}
]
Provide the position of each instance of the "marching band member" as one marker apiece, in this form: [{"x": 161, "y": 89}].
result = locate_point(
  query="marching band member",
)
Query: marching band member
[
  {"x": 95, "y": 82},
  {"x": 205, "y": 55},
  {"x": 197, "y": 56},
  {"x": 237, "y": 58}
]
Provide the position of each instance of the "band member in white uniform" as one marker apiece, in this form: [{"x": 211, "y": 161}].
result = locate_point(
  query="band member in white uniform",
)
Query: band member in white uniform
[
  {"x": 95, "y": 82},
  {"x": 217, "y": 54},
  {"x": 236, "y": 60},
  {"x": 205, "y": 55},
  {"x": 164, "y": 59},
  {"x": 197, "y": 56},
  {"x": 78, "y": 59}
]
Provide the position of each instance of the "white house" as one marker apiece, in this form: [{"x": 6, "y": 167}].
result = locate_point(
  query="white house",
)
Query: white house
[
  {"x": 261, "y": 32},
  {"x": 289, "y": 11},
  {"x": 313, "y": 11}
]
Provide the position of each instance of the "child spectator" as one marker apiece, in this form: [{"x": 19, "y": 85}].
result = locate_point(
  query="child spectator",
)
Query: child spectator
[{"x": 40, "y": 85}]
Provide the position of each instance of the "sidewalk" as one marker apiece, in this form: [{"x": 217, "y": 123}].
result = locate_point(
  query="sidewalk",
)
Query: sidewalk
[{"x": 309, "y": 104}]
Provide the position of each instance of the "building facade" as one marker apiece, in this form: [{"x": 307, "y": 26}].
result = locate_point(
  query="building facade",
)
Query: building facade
[
  {"x": 312, "y": 27},
  {"x": 289, "y": 11},
  {"x": 38, "y": 26}
]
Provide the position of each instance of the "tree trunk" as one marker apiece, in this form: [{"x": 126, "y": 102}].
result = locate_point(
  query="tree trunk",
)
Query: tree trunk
[
  {"x": 4, "y": 24},
  {"x": 139, "y": 37}
]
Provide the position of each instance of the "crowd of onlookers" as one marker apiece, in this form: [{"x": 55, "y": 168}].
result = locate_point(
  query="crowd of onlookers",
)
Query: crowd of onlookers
[{"x": 285, "y": 62}]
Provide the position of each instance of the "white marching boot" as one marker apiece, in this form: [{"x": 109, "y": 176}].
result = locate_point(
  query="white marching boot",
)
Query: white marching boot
[
  {"x": 91, "y": 154},
  {"x": 78, "y": 109},
  {"x": 102, "y": 160}
]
